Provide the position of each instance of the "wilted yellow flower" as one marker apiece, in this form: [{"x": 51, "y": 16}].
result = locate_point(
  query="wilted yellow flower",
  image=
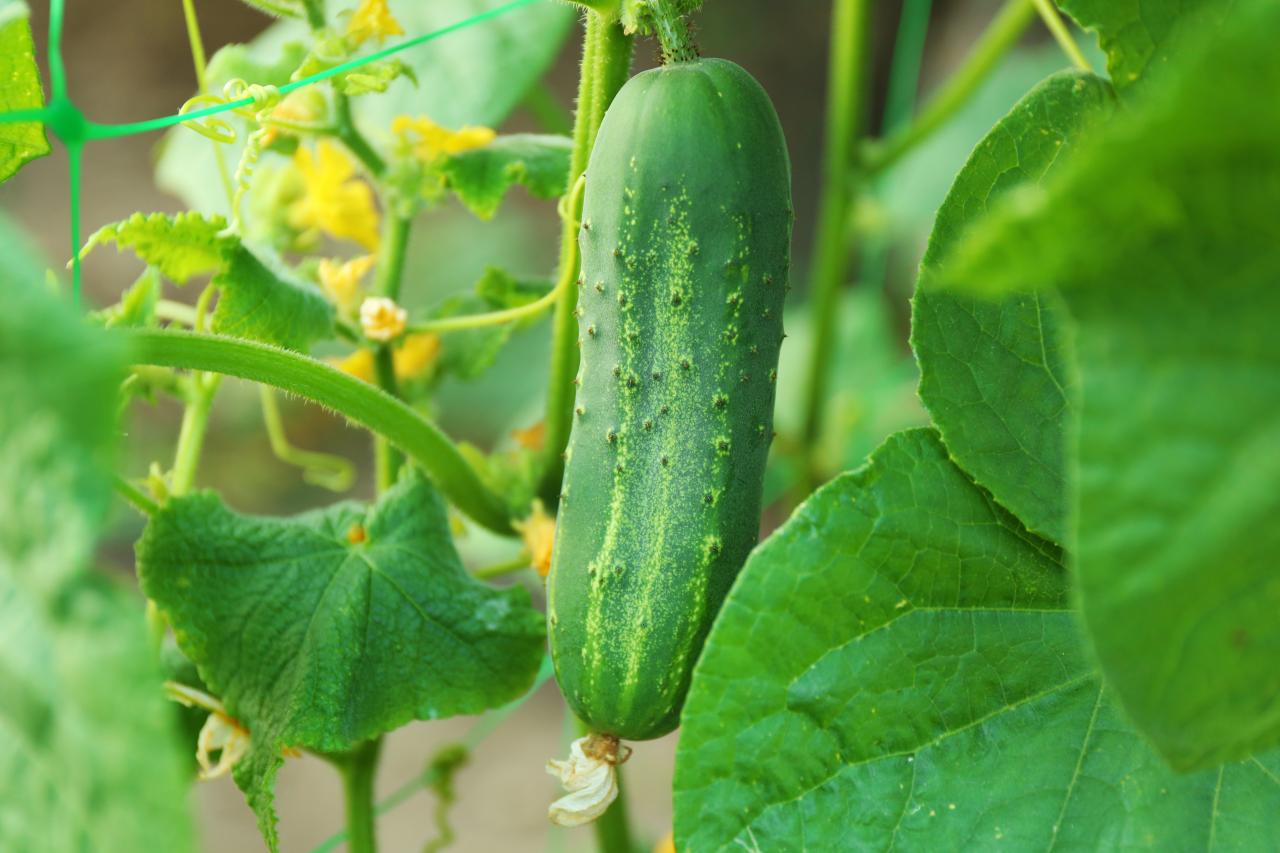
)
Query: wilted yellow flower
[
  {"x": 429, "y": 140},
  {"x": 372, "y": 20},
  {"x": 382, "y": 320},
  {"x": 336, "y": 201},
  {"x": 359, "y": 364},
  {"x": 539, "y": 534},
  {"x": 221, "y": 733},
  {"x": 340, "y": 280},
  {"x": 417, "y": 355}
]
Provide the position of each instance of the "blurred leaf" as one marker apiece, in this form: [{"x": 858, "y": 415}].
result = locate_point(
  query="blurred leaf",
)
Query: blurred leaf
[
  {"x": 137, "y": 307},
  {"x": 1161, "y": 236},
  {"x": 899, "y": 667},
  {"x": 374, "y": 78},
  {"x": 88, "y": 760},
  {"x": 1141, "y": 37},
  {"x": 326, "y": 629},
  {"x": 261, "y": 299},
  {"x": 475, "y": 76},
  {"x": 993, "y": 374},
  {"x": 483, "y": 176},
  {"x": 19, "y": 89},
  {"x": 873, "y": 387},
  {"x": 468, "y": 353}
]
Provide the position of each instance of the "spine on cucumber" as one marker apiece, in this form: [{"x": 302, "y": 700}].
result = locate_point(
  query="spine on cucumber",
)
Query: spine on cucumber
[{"x": 685, "y": 239}]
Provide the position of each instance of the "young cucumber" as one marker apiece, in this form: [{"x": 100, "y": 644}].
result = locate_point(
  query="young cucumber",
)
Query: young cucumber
[{"x": 686, "y": 232}]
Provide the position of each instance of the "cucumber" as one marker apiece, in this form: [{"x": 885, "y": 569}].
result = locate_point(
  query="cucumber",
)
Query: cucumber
[{"x": 685, "y": 238}]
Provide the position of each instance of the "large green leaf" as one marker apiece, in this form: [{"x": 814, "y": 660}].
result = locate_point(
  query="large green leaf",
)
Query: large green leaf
[
  {"x": 480, "y": 178},
  {"x": 20, "y": 89},
  {"x": 261, "y": 299},
  {"x": 898, "y": 667},
  {"x": 88, "y": 755},
  {"x": 994, "y": 374},
  {"x": 330, "y": 628},
  {"x": 1163, "y": 239},
  {"x": 1140, "y": 36}
]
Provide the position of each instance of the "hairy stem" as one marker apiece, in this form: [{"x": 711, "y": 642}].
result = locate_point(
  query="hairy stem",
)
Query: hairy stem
[
  {"x": 672, "y": 31},
  {"x": 998, "y": 40},
  {"x": 346, "y": 395},
  {"x": 346, "y": 131},
  {"x": 195, "y": 424},
  {"x": 358, "y": 769},
  {"x": 847, "y": 90},
  {"x": 606, "y": 62}
]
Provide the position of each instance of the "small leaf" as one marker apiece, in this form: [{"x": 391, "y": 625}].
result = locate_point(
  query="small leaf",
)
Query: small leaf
[
  {"x": 898, "y": 668},
  {"x": 264, "y": 301},
  {"x": 330, "y": 628},
  {"x": 181, "y": 246},
  {"x": 482, "y": 177},
  {"x": 20, "y": 89},
  {"x": 375, "y": 77},
  {"x": 89, "y": 758},
  {"x": 1161, "y": 237},
  {"x": 994, "y": 374},
  {"x": 261, "y": 299}
]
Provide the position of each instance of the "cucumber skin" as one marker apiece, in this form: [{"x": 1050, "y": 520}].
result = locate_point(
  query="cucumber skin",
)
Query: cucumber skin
[{"x": 685, "y": 239}]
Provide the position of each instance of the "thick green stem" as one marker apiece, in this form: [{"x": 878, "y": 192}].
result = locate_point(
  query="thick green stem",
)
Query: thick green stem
[
  {"x": 613, "y": 828},
  {"x": 358, "y": 769},
  {"x": 606, "y": 63},
  {"x": 847, "y": 90},
  {"x": 997, "y": 41},
  {"x": 344, "y": 394},
  {"x": 395, "y": 245}
]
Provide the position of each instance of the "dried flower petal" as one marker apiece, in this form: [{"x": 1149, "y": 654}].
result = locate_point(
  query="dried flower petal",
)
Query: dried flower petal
[
  {"x": 382, "y": 319},
  {"x": 591, "y": 779}
]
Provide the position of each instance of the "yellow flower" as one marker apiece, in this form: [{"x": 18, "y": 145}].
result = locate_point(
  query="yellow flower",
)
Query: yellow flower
[
  {"x": 372, "y": 20},
  {"x": 667, "y": 844},
  {"x": 359, "y": 364},
  {"x": 429, "y": 140},
  {"x": 382, "y": 320},
  {"x": 533, "y": 438},
  {"x": 416, "y": 355},
  {"x": 336, "y": 201},
  {"x": 539, "y": 534},
  {"x": 340, "y": 280}
]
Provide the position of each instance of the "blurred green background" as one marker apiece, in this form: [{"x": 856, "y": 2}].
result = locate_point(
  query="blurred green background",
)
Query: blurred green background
[{"x": 128, "y": 59}]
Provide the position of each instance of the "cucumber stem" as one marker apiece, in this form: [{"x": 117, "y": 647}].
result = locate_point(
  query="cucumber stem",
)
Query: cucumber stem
[{"x": 672, "y": 30}]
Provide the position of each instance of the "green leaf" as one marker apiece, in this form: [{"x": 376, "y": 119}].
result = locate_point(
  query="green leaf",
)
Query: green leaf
[
  {"x": 89, "y": 758},
  {"x": 993, "y": 374},
  {"x": 1161, "y": 236},
  {"x": 330, "y": 628},
  {"x": 483, "y": 176},
  {"x": 1140, "y": 37},
  {"x": 897, "y": 667},
  {"x": 468, "y": 353},
  {"x": 261, "y": 299},
  {"x": 20, "y": 89}
]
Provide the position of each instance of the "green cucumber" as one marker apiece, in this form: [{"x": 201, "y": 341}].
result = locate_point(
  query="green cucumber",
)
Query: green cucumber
[{"x": 685, "y": 237}]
